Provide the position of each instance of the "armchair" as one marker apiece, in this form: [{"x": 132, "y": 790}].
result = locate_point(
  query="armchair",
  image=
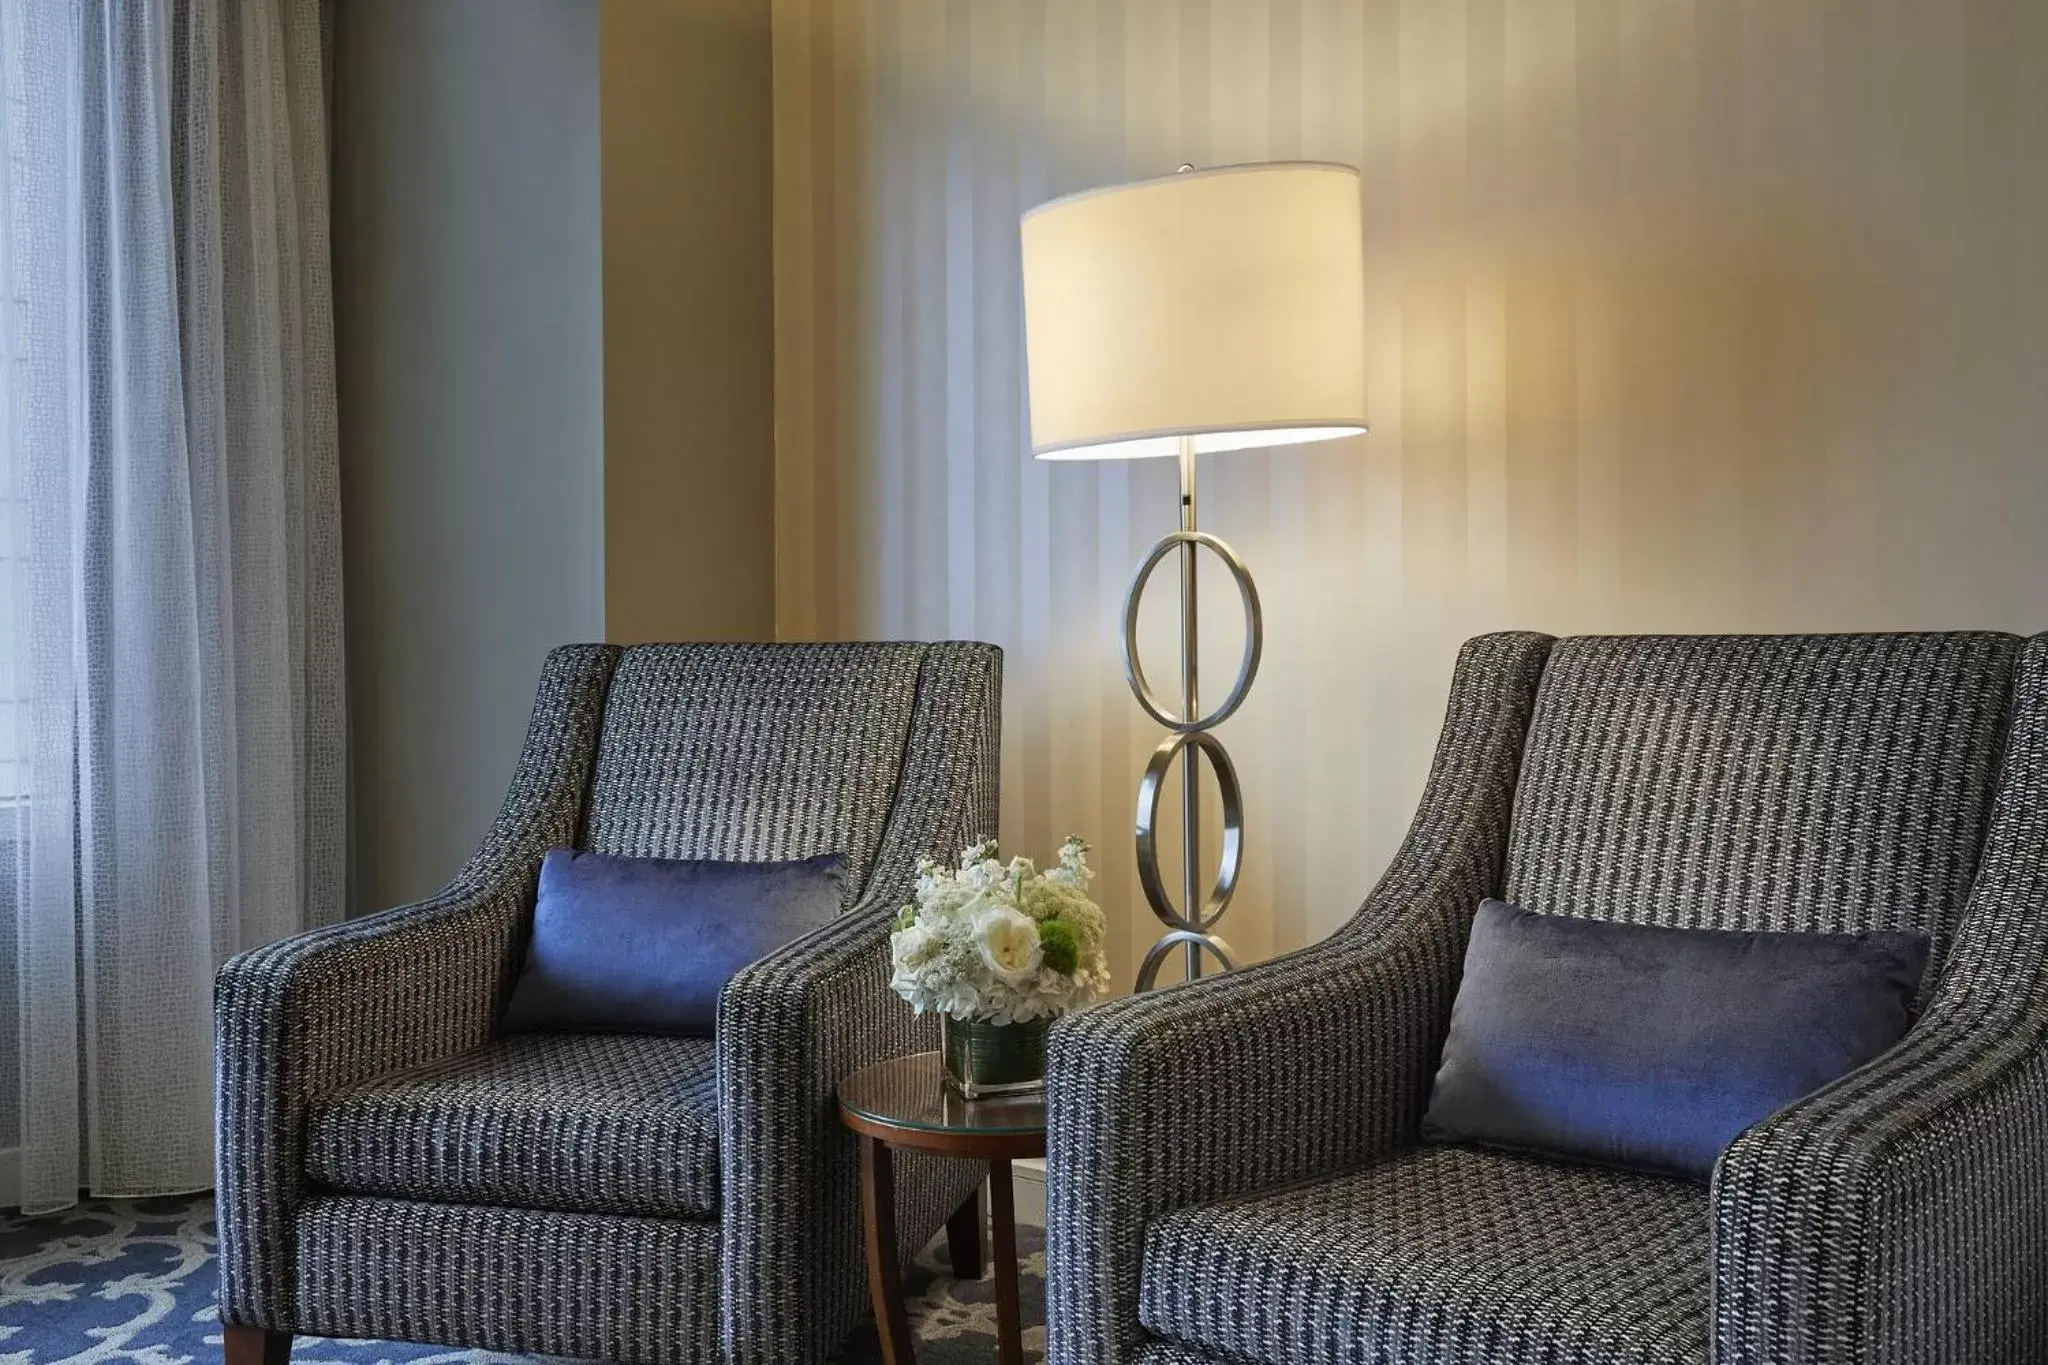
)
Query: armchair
[
  {"x": 1235, "y": 1173},
  {"x": 389, "y": 1168}
]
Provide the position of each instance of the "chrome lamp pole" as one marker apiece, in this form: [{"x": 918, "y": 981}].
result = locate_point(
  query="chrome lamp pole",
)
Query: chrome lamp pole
[
  {"x": 1191, "y": 706},
  {"x": 1190, "y": 925},
  {"x": 1212, "y": 310}
]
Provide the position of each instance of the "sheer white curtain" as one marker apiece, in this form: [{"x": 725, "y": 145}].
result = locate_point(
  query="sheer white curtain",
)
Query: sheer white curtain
[{"x": 171, "y": 713}]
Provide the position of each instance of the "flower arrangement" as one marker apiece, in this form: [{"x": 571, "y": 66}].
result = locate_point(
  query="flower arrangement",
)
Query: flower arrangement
[{"x": 1001, "y": 943}]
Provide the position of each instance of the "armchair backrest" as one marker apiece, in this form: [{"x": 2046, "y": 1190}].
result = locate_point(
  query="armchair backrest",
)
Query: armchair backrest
[
  {"x": 1762, "y": 782},
  {"x": 753, "y": 751}
]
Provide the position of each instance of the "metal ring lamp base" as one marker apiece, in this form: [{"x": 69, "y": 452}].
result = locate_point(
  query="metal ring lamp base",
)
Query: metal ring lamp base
[{"x": 1190, "y": 925}]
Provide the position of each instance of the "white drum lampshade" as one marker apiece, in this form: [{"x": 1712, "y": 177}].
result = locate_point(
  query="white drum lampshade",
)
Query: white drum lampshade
[
  {"x": 1210, "y": 310},
  {"x": 1225, "y": 305}
]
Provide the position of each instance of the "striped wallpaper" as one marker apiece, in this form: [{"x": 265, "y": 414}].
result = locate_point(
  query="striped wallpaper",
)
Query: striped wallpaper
[{"x": 1682, "y": 315}]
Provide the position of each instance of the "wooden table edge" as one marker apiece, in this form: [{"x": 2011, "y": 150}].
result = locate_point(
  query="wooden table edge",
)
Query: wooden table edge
[{"x": 971, "y": 1145}]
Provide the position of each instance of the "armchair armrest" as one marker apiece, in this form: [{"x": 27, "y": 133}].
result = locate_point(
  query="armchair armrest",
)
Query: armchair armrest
[
  {"x": 1304, "y": 1065},
  {"x": 795, "y": 1023},
  {"x": 1901, "y": 1214},
  {"x": 301, "y": 1017}
]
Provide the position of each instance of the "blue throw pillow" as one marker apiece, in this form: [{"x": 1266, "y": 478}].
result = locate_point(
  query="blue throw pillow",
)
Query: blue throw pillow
[
  {"x": 644, "y": 945},
  {"x": 1652, "y": 1048}
]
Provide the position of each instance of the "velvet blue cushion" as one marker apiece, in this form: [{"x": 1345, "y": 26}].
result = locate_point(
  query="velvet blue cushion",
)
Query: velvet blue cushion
[
  {"x": 1652, "y": 1048},
  {"x": 644, "y": 945}
]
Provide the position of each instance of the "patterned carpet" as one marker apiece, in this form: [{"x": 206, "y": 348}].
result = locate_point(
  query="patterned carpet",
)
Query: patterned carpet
[{"x": 133, "y": 1281}]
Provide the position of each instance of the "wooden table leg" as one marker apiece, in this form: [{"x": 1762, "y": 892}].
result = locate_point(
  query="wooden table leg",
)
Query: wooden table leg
[
  {"x": 1002, "y": 1200},
  {"x": 885, "y": 1267},
  {"x": 967, "y": 1240}
]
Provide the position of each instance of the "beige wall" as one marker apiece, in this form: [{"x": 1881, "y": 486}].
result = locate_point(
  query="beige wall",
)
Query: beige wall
[
  {"x": 1682, "y": 315},
  {"x": 470, "y": 369},
  {"x": 553, "y": 305},
  {"x": 689, "y": 532}
]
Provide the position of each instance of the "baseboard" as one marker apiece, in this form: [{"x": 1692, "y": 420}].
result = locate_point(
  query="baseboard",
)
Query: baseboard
[{"x": 1028, "y": 1179}]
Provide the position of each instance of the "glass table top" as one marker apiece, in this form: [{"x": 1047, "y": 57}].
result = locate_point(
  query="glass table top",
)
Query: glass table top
[{"x": 911, "y": 1092}]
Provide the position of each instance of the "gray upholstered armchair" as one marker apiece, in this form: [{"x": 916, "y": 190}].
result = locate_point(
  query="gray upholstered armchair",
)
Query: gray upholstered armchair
[
  {"x": 389, "y": 1168},
  {"x": 1235, "y": 1174}
]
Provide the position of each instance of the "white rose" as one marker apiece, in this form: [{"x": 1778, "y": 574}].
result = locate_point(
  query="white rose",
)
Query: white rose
[{"x": 1009, "y": 943}]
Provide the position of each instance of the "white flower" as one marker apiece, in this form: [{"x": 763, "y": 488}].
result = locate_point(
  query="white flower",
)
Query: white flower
[
  {"x": 970, "y": 946},
  {"x": 912, "y": 946},
  {"x": 959, "y": 998},
  {"x": 1009, "y": 943}
]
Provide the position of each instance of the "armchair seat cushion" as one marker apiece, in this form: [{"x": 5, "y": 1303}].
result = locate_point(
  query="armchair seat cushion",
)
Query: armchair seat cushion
[
  {"x": 1445, "y": 1254},
  {"x": 598, "y": 1123}
]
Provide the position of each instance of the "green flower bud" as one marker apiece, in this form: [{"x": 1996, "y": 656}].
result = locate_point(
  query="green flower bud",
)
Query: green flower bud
[{"x": 1061, "y": 950}]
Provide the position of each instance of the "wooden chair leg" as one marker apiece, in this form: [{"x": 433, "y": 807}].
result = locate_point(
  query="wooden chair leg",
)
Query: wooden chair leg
[
  {"x": 255, "y": 1346},
  {"x": 966, "y": 1239}
]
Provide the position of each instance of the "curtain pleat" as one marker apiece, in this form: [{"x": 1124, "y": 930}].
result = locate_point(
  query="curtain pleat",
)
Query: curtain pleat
[{"x": 170, "y": 425}]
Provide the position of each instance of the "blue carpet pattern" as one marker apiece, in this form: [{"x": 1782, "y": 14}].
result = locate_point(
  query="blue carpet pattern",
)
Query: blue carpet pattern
[{"x": 133, "y": 1281}]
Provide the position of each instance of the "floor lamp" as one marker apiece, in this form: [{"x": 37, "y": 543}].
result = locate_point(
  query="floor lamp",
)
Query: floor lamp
[{"x": 1212, "y": 310}]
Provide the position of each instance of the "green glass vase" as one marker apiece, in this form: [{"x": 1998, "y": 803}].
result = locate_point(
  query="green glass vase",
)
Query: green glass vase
[{"x": 983, "y": 1059}]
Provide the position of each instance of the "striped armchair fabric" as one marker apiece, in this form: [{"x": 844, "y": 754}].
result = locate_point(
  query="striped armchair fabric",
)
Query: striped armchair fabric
[
  {"x": 1235, "y": 1174},
  {"x": 389, "y": 1168}
]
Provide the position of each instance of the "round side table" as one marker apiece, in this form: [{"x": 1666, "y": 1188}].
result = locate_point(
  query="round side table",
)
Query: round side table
[{"x": 905, "y": 1102}]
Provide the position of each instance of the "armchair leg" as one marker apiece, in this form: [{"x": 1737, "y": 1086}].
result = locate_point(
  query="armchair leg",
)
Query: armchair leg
[
  {"x": 255, "y": 1346},
  {"x": 967, "y": 1240}
]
